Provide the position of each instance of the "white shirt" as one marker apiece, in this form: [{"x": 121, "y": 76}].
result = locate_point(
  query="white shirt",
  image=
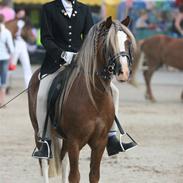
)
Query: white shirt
[
  {"x": 6, "y": 43},
  {"x": 68, "y": 7},
  {"x": 20, "y": 25}
]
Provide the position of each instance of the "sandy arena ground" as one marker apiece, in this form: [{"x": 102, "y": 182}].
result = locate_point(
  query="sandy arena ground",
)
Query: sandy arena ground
[{"x": 158, "y": 128}]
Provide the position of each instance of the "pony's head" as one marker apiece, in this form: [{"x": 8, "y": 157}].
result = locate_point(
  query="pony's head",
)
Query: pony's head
[
  {"x": 115, "y": 45},
  {"x": 107, "y": 50}
]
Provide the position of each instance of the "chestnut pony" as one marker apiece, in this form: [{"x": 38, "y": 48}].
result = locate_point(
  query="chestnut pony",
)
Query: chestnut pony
[
  {"x": 157, "y": 51},
  {"x": 88, "y": 109},
  {"x": 26, "y": 33}
]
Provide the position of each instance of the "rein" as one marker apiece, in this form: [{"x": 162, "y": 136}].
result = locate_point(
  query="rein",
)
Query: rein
[{"x": 16, "y": 96}]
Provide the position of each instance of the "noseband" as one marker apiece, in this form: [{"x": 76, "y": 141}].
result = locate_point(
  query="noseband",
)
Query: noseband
[{"x": 114, "y": 66}]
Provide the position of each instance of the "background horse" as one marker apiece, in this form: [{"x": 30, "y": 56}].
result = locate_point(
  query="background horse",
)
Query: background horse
[
  {"x": 159, "y": 50},
  {"x": 27, "y": 33},
  {"x": 88, "y": 109}
]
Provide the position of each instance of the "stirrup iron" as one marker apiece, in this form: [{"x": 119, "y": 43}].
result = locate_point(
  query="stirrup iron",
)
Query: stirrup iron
[{"x": 129, "y": 145}]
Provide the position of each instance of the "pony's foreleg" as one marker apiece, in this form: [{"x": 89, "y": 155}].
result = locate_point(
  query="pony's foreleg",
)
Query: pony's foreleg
[
  {"x": 96, "y": 156},
  {"x": 45, "y": 167},
  {"x": 73, "y": 152}
]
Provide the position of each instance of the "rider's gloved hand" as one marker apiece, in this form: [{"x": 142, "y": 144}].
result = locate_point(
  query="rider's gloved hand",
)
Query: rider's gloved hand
[{"x": 67, "y": 56}]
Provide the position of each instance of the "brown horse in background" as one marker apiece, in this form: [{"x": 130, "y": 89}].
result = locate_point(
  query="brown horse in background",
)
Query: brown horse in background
[
  {"x": 88, "y": 109},
  {"x": 157, "y": 51},
  {"x": 26, "y": 33}
]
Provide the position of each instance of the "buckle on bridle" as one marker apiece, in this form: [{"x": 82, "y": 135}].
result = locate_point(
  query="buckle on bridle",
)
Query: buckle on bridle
[{"x": 111, "y": 68}]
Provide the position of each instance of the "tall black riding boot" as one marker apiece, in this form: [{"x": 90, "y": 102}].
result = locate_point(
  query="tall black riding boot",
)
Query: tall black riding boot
[
  {"x": 114, "y": 146},
  {"x": 44, "y": 152}
]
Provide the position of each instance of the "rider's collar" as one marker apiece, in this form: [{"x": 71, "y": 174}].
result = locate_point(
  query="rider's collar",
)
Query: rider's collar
[{"x": 67, "y": 2}]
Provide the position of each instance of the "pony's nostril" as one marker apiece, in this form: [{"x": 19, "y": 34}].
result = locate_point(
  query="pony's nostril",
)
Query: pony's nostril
[{"x": 120, "y": 72}]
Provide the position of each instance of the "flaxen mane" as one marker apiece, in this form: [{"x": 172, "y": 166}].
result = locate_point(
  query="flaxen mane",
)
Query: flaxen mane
[{"x": 87, "y": 56}]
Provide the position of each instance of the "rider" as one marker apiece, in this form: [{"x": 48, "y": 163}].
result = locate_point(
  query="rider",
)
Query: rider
[{"x": 64, "y": 25}]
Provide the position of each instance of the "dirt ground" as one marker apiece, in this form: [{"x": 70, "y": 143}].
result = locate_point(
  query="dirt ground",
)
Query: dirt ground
[{"x": 157, "y": 127}]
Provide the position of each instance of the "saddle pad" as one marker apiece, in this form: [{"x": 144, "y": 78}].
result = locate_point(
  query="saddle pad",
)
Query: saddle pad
[{"x": 56, "y": 90}]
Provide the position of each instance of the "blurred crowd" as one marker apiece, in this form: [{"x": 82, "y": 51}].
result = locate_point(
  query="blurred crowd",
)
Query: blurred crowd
[
  {"x": 13, "y": 46},
  {"x": 151, "y": 17},
  {"x": 19, "y": 40}
]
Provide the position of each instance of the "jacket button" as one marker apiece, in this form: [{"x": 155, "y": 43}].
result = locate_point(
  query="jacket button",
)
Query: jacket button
[
  {"x": 70, "y": 40},
  {"x": 70, "y": 33},
  {"x": 69, "y": 46},
  {"x": 70, "y": 26}
]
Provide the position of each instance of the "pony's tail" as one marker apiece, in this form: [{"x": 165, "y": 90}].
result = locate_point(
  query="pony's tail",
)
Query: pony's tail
[
  {"x": 55, "y": 163},
  {"x": 55, "y": 166}
]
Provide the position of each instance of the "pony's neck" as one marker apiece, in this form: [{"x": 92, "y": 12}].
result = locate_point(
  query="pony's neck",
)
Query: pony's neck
[{"x": 103, "y": 85}]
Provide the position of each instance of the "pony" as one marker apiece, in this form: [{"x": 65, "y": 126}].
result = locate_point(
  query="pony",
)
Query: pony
[
  {"x": 157, "y": 51},
  {"x": 88, "y": 109},
  {"x": 27, "y": 33}
]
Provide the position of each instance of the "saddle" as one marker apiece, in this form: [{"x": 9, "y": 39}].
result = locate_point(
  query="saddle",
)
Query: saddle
[{"x": 56, "y": 95}]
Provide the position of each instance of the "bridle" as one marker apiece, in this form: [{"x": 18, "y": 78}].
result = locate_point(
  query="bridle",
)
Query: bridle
[{"x": 114, "y": 66}]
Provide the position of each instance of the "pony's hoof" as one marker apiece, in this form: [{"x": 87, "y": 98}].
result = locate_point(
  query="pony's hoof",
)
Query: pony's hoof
[
  {"x": 150, "y": 98},
  {"x": 133, "y": 83}
]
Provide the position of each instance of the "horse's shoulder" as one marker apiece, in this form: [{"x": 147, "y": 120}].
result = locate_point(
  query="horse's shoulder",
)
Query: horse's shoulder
[{"x": 14, "y": 21}]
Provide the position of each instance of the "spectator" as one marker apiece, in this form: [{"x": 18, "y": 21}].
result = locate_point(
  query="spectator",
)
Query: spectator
[
  {"x": 7, "y": 49},
  {"x": 177, "y": 27},
  {"x": 142, "y": 22},
  {"x": 143, "y": 28},
  {"x": 7, "y": 12},
  {"x": 21, "y": 51}
]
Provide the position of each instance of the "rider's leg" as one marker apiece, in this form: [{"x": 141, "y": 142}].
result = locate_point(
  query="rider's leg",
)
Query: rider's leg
[
  {"x": 115, "y": 94},
  {"x": 41, "y": 111},
  {"x": 114, "y": 146}
]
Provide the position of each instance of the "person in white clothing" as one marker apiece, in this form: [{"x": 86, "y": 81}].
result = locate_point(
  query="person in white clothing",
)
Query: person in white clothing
[
  {"x": 21, "y": 51},
  {"x": 7, "y": 49}
]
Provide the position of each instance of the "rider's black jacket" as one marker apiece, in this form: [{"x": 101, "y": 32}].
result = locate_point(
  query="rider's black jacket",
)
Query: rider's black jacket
[{"x": 61, "y": 33}]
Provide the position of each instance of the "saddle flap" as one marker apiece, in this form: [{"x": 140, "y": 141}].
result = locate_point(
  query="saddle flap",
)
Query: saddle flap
[{"x": 56, "y": 95}]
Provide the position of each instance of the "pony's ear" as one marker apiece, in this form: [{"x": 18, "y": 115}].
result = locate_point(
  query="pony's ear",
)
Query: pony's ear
[
  {"x": 126, "y": 21},
  {"x": 108, "y": 22}
]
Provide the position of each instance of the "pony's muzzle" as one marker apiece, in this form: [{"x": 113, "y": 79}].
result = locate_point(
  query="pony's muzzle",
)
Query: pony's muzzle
[{"x": 122, "y": 76}]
